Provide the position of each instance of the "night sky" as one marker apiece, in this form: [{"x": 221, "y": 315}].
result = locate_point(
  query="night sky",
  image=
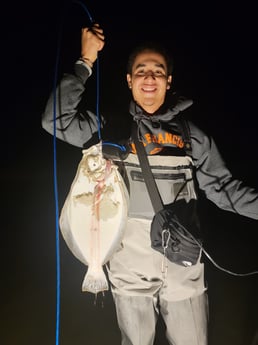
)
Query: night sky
[{"x": 215, "y": 57}]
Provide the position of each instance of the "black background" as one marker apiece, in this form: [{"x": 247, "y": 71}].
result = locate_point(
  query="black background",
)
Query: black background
[{"x": 214, "y": 48}]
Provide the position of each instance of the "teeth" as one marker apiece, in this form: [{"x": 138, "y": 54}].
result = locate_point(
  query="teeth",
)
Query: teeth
[{"x": 149, "y": 89}]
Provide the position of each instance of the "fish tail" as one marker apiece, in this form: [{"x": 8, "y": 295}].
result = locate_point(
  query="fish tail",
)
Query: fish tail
[{"x": 95, "y": 281}]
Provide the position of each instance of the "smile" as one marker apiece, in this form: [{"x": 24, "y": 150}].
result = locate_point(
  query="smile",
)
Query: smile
[{"x": 149, "y": 89}]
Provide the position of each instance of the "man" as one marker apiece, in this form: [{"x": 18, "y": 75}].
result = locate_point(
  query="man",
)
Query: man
[{"x": 144, "y": 284}]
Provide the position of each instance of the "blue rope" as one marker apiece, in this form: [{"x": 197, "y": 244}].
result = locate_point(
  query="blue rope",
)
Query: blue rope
[
  {"x": 86, "y": 10},
  {"x": 57, "y": 335},
  {"x": 97, "y": 73},
  {"x": 56, "y": 199}
]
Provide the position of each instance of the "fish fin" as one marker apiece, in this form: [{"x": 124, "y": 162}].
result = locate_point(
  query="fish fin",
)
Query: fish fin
[{"x": 95, "y": 281}]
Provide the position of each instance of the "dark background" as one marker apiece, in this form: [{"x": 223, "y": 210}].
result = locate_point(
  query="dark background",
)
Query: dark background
[{"x": 214, "y": 48}]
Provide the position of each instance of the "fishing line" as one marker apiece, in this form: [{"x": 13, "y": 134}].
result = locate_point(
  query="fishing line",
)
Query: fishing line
[{"x": 56, "y": 202}]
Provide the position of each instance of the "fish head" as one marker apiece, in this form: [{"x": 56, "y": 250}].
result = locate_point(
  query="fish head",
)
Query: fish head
[{"x": 94, "y": 164}]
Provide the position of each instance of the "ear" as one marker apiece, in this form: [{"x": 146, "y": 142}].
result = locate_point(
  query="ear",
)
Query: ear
[
  {"x": 169, "y": 82},
  {"x": 129, "y": 80}
]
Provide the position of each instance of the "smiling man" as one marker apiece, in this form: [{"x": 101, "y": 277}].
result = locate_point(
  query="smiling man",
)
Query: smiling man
[
  {"x": 144, "y": 283},
  {"x": 149, "y": 79}
]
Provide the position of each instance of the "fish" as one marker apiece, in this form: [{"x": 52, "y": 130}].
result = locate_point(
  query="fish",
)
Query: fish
[{"x": 94, "y": 215}]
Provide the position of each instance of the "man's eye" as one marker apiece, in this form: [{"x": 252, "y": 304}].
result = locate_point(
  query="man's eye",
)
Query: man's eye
[
  {"x": 140, "y": 73},
  {"x": 143, "y": 73}
]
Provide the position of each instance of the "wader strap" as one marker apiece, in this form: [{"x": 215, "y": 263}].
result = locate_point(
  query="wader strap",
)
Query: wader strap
[{"x": 146, "y": 171}]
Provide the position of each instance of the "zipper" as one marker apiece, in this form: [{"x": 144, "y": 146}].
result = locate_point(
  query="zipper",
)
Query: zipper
[
  {"x": 138, "y": 176},
  {"x": 161, "y": 167}
]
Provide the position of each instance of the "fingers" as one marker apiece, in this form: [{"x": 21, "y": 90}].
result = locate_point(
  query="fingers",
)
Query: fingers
[
  {"x": 92, "y": 41},
  {"x": 96, "y": 30}
]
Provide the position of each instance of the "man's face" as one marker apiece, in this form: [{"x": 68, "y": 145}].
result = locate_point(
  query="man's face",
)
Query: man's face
[{"x": 149, "y": 80}]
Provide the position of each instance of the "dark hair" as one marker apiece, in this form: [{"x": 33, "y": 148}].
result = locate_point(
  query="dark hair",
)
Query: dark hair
[{"x": 153, "y": 47}]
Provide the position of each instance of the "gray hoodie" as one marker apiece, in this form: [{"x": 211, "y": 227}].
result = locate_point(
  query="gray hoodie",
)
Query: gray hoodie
[{"x": 78, "y": 126}]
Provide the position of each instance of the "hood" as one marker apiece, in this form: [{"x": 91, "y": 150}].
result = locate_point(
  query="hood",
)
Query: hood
[
  {"x": 164, "y": 114},
  {"x": 159, "y": 129}
]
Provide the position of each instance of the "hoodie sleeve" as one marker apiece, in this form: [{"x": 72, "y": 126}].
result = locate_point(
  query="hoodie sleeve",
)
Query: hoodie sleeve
[
  {"x": 74, "y": 124},
  {"x": 216, "y": 180}
]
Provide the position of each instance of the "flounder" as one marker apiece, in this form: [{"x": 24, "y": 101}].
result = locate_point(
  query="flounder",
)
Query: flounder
[{"x": 94, "y": 215}]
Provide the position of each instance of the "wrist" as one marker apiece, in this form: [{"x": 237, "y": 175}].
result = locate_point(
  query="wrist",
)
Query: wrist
[
  {"x": 85, "y": 65},
  {"x": 87, "y": 61}
]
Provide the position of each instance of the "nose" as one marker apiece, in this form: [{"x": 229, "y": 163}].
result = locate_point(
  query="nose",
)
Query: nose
[{"x": 149, "y": 74}]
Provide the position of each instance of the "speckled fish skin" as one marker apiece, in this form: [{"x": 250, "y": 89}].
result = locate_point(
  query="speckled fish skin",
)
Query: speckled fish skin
[{"x": 94, "y": 215}]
